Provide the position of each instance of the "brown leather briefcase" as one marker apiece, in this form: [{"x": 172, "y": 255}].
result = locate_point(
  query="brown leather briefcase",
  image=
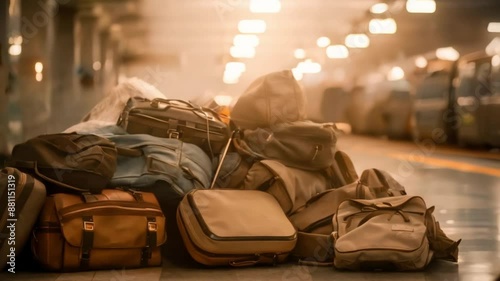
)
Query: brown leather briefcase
[
  {"x": 167, "y": 118},
  {"x": 115, "y": 229}
]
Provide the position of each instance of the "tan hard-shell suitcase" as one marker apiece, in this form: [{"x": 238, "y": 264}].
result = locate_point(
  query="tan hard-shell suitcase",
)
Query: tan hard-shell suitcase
[
  {"x": 115, "y": 229},
  {"x": 22, "y": 198},
  {"x": 234, "y": 227}
]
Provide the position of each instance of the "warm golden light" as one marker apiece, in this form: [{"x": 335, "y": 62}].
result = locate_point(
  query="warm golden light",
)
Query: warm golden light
[
  {"x": 448, "y": 53},
  {"x": 242, "y": 52},
  {"x": 247, "y": 40},
  {"x": 382, "y": 26},
  {"x": 252, "y": 26},
  {"x": 323, "y": 42},
  {"x": 38, "y": 67},
  {"x": 396, "y": 73},
  {"x": 379, "y": 8},
  {"x": 337, "y": 52},
  {"x": 421, "y": 6},
  {"x": 299, "y": 53},
  {"x": 421, "y": 62},
  {"x": 265, "y": 6},
  {"x": 359, "y": 40}
]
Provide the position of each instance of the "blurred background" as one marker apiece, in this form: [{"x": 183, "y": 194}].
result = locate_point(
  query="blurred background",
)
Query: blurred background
[{"x": 403, "y": 69}]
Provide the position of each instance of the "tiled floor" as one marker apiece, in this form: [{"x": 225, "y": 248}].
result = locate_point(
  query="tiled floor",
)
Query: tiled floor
[{"x": 467, "y": 206}]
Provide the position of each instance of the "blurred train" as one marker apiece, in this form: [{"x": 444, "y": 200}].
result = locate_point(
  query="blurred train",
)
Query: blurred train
[{"x": 445, "y": 98}]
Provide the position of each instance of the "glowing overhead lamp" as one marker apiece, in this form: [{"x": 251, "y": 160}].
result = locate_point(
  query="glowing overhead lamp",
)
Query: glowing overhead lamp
[
  {"x": 323, "y": 42},
  {"x": 448, "y": 53},
  {"x": 382, "y": 26},
  {"x": 308, "y": 66},
  {"x": 379, "y": 8},
  {"x": 250, "y": 40},
  {"x": 223, "y": 100},
  {"x": 252, "y": 26},
  {"x": 396, "y": 73},
  {"x": 493, "y": 47},
  {"x": 494, "y": 27},
  {"x": 242, "y": 51},
  {"x": 235, "y": 66},
  {"x": 495, "y": 61},
  {"x": 299, "y": 54},
  {"x": 297, "y": 74},
  {"x": 265, "y": 6},
  {"x": 357, "y": 40},
  {"x": 337, "y": 52},
  {"x": 38, "y": 67},
  {"x": 421, "y": 62},
  {"x": 15, "y": 50},
  {"x": 421, "y": 6},
  {"x": 231, "y": 77}
]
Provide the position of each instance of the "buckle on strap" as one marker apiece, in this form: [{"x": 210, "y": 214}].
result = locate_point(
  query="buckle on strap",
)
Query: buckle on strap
[
  {"x": 88, "y": 226},
  {"x": 152, "y": 226},
  {"x": 173, "y": 134}
]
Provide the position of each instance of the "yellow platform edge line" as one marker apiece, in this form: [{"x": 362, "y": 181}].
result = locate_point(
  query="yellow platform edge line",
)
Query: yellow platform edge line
[{"x": 448, "y": 164}]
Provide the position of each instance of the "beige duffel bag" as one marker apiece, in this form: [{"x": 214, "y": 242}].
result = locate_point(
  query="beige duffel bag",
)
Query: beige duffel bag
[{"x": 381, "y": 234}]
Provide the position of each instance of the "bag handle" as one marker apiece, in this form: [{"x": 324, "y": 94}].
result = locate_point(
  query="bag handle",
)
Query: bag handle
[
  {"x": 223, "y": 156},
  {"x": 156, "y": 102}
]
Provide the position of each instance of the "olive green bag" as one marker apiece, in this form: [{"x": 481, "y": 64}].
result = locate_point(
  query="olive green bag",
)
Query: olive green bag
[{"x": 67, "y": 162}]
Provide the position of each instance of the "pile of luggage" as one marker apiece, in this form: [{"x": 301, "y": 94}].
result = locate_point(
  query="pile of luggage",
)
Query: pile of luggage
[{"x": 266, "y": 188}]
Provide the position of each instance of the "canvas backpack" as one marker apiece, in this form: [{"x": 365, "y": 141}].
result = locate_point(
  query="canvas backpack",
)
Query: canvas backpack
[
  {"x": 381, "y": 234},
  {"x": 302, "y": 144},
  {"x": 67, "y": 162},
  {"x": 271, "y": 99},
  {"x": 313, "y": 220}
]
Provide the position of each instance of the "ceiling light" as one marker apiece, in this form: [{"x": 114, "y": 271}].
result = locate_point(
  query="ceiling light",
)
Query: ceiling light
[
  {"x": 382, "y": 26},
  {"x": 15, "y": 50},
  {"x": 39, "y": 77},
  {"x": 265, "y": 6},
  {"x": 252, "y": 26},
  {"x": 495, "y": 61},
  {"x": 299, "y": 54},
  {"x": 493, "y": 47},
  {"x": 379, "y": 8},
  {"x": 494, "y": 27},
  {"x": 448, "y": 53},
  {"x": 235, "y": 66},
  {"x": 337, "y": 52},
  {"x": 421, "y": 6},
  {"x": 396, "y": 73},
  {"x": 231, "y": 77},
  {"x": 323, "y": 42},
  {"x": 242, "y": 52},
  {"x": 250, "y": 40},
  {"x": 297, "y": 74},
  {"x": 223, "y": 100},
  {"x": 421, "y": 62},
  {"x": 359, "y": 40},
  {"x": 38, "y": 67},
  {"x": 308, "y": 66},
  {"x": 230, "y": 80}
]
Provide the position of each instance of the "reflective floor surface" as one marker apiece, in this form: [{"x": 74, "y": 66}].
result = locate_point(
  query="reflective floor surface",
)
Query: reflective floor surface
[{"x": 463, "y": 185}]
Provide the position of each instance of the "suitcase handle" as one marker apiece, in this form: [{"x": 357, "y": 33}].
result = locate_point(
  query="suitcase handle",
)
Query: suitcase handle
[
  {"x": 198, "y": 110},
  {"x": 156, "y": 102}
]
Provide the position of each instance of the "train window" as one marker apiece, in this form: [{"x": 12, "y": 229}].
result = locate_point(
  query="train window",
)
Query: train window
[
  {"x": 474, "y": 79},
  {"x": 435, "y": 85}
]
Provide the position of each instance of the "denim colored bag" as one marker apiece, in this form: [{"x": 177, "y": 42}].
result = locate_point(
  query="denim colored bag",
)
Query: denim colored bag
[{"x": 144, "y": 160}]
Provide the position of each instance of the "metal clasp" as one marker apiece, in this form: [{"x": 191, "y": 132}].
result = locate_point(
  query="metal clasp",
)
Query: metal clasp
[
  {"x": 173, "y": 134},
  {"x": 88, "y": 226},
  {"x": 152, "y": 227}
]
